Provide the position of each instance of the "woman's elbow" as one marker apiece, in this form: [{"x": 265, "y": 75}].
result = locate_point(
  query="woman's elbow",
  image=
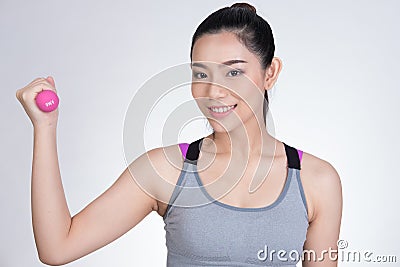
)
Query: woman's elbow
[{"x": 52, "y": 259}]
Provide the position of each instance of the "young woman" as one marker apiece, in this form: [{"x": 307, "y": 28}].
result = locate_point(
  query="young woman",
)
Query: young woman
[{"x": 240, "y": 197}]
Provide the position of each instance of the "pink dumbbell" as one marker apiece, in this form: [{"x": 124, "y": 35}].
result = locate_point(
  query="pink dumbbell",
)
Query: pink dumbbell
[{"x": 47, "y": 100}]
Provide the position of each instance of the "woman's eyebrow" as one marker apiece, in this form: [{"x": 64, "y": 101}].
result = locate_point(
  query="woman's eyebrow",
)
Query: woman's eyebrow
[
  {"x": 233, "y": 61},
  {"x": 227, "y": 63}
]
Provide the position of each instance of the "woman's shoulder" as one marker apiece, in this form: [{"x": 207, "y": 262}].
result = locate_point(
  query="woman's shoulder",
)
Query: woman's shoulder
[
  {"x": 163, "y": 155},
  {"x": 159, "y": 168},
  {"x": 318, "y": 167},
  {"x": 166, "y": 161},
  {"x": 321, "y": 183}
]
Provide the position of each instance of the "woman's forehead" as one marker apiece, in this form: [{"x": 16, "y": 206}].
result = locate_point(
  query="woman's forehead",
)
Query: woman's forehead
[{"x": 220, "y": 47}]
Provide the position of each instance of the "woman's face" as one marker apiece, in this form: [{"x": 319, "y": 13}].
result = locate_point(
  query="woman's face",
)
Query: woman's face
[{"x": 228, "y": 82}]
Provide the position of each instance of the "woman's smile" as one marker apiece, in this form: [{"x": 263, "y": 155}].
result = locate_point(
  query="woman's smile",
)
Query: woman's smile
[{"x": 221, "y": 111}]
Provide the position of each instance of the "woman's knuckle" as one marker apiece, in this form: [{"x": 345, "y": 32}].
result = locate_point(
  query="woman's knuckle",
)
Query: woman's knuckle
[{"x": 23, "y": 97}]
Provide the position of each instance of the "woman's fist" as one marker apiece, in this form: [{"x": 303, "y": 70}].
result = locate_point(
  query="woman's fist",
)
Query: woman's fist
[{"x": 27, "y": 96}]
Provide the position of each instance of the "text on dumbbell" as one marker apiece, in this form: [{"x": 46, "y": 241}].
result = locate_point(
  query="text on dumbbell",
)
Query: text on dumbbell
[{"x": 49, "y": 103}]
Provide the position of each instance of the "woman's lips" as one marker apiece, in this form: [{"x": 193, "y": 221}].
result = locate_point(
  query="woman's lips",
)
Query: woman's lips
[{"x": 221, "y": 111}]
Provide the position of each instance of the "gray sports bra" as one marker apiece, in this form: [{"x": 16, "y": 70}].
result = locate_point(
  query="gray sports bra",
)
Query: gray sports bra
[{"x": 201, "y": 231}]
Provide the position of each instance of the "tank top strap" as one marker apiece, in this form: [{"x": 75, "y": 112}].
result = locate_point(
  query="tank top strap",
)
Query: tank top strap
[
  {"x": 191, "y": 151},
  {"x": 293, "y": 156},
  {"x": 294, "y": 161}
]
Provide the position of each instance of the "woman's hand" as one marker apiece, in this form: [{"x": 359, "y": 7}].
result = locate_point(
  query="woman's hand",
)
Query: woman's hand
[{"x": 26, "y": 97}]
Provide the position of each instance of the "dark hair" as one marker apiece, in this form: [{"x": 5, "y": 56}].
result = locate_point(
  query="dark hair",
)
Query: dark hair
[{"x": 251, "y": 30}]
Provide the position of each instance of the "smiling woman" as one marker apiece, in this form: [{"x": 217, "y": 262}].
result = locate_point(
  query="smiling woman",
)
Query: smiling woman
[
  {"x": 239, "y": 192},
  {"x": 233, "y": 67}
]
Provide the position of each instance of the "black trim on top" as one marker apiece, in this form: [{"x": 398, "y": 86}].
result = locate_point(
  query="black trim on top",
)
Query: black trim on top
[
  {"x": 193, "y": 152},
  {"x": 292, "y": 157}
]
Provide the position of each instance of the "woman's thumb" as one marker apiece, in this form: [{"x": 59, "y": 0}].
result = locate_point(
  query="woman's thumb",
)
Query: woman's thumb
[{"x": 51, "y": 81}]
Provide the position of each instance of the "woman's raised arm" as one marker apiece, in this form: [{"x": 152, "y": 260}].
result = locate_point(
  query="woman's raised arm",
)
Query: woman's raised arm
[{"x": 59, "y": 237}]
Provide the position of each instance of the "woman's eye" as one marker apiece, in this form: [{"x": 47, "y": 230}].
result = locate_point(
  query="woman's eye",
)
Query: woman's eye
[
  {"x": 200, "y": 75},
  {"x": 233, "y": 73}
]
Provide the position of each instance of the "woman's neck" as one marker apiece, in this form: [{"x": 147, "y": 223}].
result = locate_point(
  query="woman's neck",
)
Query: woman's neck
[{"x": 251, "y": 139}]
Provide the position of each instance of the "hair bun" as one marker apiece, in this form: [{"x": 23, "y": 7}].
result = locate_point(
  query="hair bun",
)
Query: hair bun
[{"x": 245, "y": 6}]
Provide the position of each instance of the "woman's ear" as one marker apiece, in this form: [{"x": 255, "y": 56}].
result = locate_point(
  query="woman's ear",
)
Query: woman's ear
[{"x": 272, "y": 73}]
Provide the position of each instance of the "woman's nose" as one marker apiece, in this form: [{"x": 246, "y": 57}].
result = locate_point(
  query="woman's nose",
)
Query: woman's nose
[{"x": 216, "y": 90}]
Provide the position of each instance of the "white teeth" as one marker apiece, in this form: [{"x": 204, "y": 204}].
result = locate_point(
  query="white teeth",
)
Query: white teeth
[{"x": 221, "y": 110}]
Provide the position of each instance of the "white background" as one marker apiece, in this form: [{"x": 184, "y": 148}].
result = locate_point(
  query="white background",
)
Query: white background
[{"x": 337, "y": 98}]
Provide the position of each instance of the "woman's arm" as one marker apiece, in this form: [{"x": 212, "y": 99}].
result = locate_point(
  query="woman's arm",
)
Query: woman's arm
[
  {"x": 325, "y": 194},
  {"x": 59, "y": 238}
]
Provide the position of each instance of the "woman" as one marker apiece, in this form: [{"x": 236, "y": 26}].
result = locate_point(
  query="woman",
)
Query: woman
[{"x": 295, "y": 204}]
